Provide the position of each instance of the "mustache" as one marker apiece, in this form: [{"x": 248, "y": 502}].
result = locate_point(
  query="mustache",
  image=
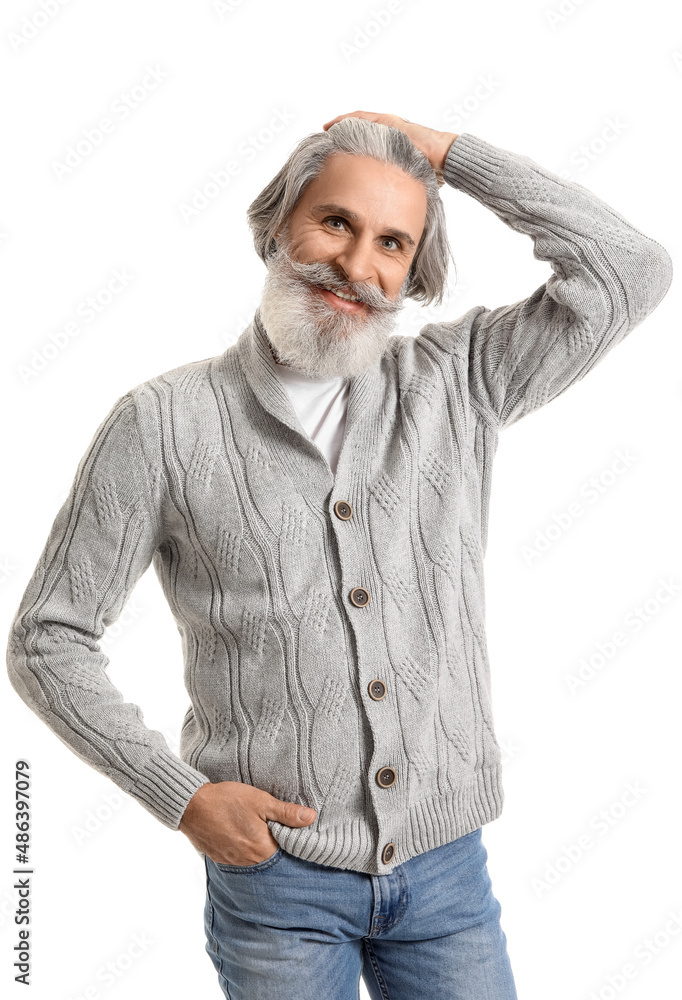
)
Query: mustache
[{"x": 319, "y": 273}]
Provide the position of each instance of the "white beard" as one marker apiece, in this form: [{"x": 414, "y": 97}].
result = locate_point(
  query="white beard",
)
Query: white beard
[{"x": 308, "y": 333}]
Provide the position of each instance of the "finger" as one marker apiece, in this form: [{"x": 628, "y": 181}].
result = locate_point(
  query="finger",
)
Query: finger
[
  {"x": 371, "y": 116},
  {"x": 349, "y": 114}
]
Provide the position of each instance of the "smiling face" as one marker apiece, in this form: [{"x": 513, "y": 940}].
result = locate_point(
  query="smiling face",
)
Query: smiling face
[
  {"x": 363, "y": 217},
  {"x": 355, "y": 229}
]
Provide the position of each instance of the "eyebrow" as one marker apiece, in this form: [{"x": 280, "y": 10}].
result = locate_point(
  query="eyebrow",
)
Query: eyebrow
[{"x": 340, "y": 210}]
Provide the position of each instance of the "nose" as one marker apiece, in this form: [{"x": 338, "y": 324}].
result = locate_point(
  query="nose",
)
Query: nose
[{"x": 354, "y": 263}]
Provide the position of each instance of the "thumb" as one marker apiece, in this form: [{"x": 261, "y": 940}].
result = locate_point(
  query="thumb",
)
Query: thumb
[{"x": 291, "y": 813}]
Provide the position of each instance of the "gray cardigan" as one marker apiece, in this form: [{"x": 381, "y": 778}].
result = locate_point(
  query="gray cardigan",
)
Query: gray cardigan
[{"x": 333, "y": 627}]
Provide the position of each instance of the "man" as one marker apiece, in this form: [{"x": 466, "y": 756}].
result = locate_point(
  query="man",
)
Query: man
[{"x": 314, "y": 501}]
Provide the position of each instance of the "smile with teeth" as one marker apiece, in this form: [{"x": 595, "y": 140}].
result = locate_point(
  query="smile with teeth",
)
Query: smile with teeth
[{"x": 341, "y": 295}]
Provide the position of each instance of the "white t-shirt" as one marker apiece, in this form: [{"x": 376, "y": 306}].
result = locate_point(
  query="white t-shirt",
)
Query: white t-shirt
[{"x": 321, "y": 406}]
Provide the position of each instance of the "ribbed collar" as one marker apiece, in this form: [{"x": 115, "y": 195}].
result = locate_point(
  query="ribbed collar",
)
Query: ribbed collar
[{"x": 255, "y": 357}]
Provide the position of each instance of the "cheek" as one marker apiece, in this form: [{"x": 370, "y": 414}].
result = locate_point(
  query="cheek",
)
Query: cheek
[
  {"x": 317, "y": 246},
  {"x": 393, "y": 281},
  {"x": 309, "y": 241}
]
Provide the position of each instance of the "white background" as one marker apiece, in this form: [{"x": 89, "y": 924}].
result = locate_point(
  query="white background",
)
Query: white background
[{"x": 554, "y": 82}]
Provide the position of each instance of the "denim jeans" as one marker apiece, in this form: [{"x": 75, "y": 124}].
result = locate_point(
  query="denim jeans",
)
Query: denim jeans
[{"x": 298, "y": 930}]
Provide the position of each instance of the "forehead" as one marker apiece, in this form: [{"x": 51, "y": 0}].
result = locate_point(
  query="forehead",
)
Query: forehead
[{"x": 378, "y": 194}]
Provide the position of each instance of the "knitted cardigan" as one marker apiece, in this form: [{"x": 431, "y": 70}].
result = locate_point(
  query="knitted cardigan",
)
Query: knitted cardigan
[{"x": 333, "y": 626}]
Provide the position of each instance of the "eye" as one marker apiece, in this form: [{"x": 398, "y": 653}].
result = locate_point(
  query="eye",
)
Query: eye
[{"x": 389, "y": 239}]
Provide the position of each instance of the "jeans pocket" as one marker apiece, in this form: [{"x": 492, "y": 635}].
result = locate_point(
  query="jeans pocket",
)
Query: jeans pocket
[{"x": 247, "y": 869}]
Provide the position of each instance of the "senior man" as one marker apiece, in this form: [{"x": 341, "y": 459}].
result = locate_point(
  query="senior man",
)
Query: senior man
[{"x": 315, "y": 504}]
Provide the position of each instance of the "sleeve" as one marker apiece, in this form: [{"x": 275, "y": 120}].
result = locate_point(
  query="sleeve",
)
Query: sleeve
[
  {"x": 101, "y": 542},
  {"x": 607, "y": 277}
]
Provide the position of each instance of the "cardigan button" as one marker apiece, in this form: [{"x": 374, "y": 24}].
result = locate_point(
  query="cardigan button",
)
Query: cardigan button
[
  {"x": 386, "y": 777},
  {"x": 343, "y": 510},
  {"x": 359, "y": 597},
  {"x": 387, "y": 854},
  {"x": 377, "y": 690}
]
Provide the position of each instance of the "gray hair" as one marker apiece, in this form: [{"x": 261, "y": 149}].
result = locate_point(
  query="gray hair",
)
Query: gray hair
[{"x": 427, "y": 278}]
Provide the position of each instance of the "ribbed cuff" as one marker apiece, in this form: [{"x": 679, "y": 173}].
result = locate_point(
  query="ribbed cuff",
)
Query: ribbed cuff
[
  {"x": 472, "y": 164},
  {"x": 166, "y": 786}
]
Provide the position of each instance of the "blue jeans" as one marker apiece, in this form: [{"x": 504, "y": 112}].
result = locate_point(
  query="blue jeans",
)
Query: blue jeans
[{"x": 297, "y": 930}]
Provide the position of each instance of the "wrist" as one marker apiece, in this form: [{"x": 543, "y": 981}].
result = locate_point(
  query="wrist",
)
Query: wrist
[
  {"x": 194, "y": 803},
  {"x": 442, "y": 149}
]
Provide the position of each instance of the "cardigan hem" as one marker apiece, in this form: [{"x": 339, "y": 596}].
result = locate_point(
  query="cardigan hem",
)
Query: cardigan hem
[{"x": 431, "y": 822}]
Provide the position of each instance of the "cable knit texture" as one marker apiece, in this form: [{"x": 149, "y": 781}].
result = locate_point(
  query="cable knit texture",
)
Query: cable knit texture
[{"x": 206, "y": 472}]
